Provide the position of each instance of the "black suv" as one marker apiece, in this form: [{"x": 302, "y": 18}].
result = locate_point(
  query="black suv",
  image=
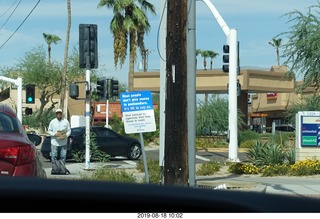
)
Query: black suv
[{"x": 107, "y": 141}]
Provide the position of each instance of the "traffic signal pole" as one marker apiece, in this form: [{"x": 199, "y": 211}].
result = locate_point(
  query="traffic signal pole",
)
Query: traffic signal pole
[
  {"x": 232, "y": 41},
  {"x": 88, "y": 115}
]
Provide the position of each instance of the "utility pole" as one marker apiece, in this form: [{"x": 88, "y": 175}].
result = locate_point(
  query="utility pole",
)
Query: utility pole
[
  {"x": 176, "y": 122},
  {"x": 145, "y": 53}
]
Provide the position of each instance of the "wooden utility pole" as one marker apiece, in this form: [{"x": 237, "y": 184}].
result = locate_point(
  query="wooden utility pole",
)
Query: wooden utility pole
[{"x": 176, "y": 126}]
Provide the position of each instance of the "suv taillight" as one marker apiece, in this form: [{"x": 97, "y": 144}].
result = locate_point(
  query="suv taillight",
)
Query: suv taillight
[{"x": 18, "y": 155}]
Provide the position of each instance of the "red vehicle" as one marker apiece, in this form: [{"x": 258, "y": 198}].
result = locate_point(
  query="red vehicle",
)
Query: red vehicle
[{"x": 18, "y": 153}]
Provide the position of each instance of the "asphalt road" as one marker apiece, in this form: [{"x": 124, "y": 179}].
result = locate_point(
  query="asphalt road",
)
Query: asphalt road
[{"x": 153, "y": 154}]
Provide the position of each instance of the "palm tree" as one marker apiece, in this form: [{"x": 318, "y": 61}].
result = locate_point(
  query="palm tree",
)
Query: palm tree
[
  {"x": 276, "y": 43},
  {"x": 129, "y": 21},
  {"x": 205, "y": 55},
  {"x": 50, "y": 38},
  {"x": 65, "y": 62},
  {"x": 212, "y": 54},
  {"x": 198, "y": 52}
]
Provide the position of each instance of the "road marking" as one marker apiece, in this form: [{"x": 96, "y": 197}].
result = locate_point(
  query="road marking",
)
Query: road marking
[
  {"x": 202, "y": 158},
  {"x": 131, "y": 163}
]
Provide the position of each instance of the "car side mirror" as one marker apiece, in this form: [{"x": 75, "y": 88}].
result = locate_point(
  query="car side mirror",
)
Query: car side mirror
[{"x": 35, "y": 139}]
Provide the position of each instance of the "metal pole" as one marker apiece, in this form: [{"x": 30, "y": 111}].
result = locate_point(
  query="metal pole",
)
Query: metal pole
[
  {"x": 107, "y": 113},
  {"x": 144, "y": 158},
  {"x": 107, "y": 95},
  {"x": 162, "y": 39},
  {"x": 87, "y": 118},
  {"x": 191, "y": 90},
  {"x": 231, "y": 35},
  {"x": 218, "y": 17},
  {"x": 233, "y": 101},
  {"x": 19, "y": 99}
]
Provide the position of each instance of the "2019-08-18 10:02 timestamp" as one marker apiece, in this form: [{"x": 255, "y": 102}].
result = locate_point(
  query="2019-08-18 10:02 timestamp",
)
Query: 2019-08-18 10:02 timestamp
[{"x": 160, "y": 215}]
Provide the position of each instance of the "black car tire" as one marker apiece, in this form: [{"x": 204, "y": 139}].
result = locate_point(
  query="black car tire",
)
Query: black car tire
[{"x": 134, "y": 152}]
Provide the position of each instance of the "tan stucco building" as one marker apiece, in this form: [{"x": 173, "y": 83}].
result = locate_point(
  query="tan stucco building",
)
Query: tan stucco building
[{"x": 265, "y": 94}]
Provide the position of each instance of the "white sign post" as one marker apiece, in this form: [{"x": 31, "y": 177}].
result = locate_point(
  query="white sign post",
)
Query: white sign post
[{"x": 138, "y": 117}]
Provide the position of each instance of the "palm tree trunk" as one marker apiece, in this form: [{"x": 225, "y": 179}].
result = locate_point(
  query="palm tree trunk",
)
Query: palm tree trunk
[
  {"x": 49, "y": 54},
  {"x": 65, "y": 63},
  {"x": 211, "y": 64},
  {"x": 131, "y": 64},
  {"x": 278, "y": 57}
]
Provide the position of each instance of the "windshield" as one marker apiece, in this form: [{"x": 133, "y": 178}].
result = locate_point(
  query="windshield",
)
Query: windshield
[{"x": 174, "y": 93}]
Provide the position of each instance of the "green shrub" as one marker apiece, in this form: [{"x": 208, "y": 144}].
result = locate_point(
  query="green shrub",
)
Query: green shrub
[
  {"x": 208, "y": 168},
  {"x": 305, "y": 168},
  {"x": 220, "y": 144},
  {"x": 275, "y": 170},
  {"x": 105, "y": 174},
  {"x": 263, "y": 154},
  {"x": 291, "y": 156},
  {"x": 247, "y": 143},
  {"x": 243, "y": 168},
  {"x": 202, "y": 143},
  {"x": 153, "y": 170},
  {"x": 247, "y": 135}
]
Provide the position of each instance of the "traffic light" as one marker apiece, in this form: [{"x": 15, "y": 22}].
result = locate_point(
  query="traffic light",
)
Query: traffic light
[
  {"x": 102, "y": 88},
  {"x": 114, "y": 88},
  {"x": 73, "y": 91},
  {"x": 30, "y": 93},
  {"x": 225, "y": 58},
  {"x": 88, "y": 46},
  {"x": 28, "y": 111}
]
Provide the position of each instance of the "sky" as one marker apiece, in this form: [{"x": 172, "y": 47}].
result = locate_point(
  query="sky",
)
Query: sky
[{"x": 257, "y": 22}]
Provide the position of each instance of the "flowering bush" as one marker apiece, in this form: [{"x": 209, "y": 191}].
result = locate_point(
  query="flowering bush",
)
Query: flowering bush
[
  {"x": 275, "y": 170},
  {"x": 305, "y": 167},
  {"x": 243, "y": 168}
]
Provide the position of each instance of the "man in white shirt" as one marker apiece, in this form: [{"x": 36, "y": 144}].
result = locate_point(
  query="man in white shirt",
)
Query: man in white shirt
[{"x": 59, "y": 130}]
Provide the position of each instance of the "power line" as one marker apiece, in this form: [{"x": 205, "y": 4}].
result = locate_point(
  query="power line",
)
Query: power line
[
  {"x": 4, "y": 13},
  {"x": 162, "y": 14},
  {"x": 34, "y": 7},
  {"x": 10, "y": 15}
]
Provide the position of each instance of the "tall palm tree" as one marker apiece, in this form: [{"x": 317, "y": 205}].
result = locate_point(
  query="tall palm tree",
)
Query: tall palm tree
[
  {"x": 212, "y": 54},
  {"x": 198, "y": 52},
  {"x": 129, "y": 21},
  {"x": 276, "y": 43},
  {"x": 65, "y": 62},
  {"x": 205, "y": 55},
  {"x": 50, "y": 38}
]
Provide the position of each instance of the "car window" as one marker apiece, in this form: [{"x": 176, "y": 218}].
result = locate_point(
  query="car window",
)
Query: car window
[
  {"x": 103, "y": 132},
  {"x": 77, "y": 131},
  {"x": 8, "y": 124},
  {"x": 291, "y": 129}
]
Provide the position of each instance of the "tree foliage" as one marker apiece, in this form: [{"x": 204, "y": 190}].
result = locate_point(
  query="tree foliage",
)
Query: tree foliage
[
  {"x": 302, "y": 50},
  {"x": 213, "y": 115},
  {"x": 306, "y": 103},
  {"x": 129, "y": 23}
]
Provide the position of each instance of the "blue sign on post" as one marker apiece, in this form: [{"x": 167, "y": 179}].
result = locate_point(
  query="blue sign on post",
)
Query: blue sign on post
[
  {"x": 137, "y": 111},
  {"x": 310, "y": 131}
]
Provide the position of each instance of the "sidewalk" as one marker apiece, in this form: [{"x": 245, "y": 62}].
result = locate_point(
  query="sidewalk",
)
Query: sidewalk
[{"x": 307, "y": 186}]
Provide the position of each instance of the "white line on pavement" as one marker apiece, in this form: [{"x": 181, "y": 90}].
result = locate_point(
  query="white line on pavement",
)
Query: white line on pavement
[{"x": 202, "y": 158}]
